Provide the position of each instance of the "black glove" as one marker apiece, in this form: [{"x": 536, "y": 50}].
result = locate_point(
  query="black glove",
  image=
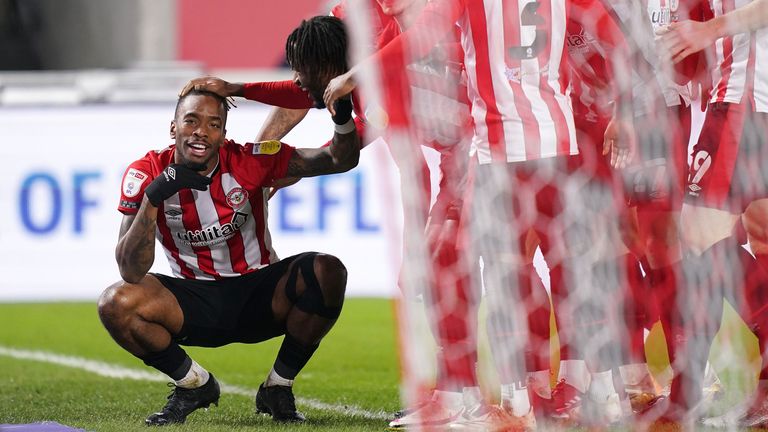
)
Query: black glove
[
  {"x": 175, "y": 178},
  {"x": 343, "y": 111}
]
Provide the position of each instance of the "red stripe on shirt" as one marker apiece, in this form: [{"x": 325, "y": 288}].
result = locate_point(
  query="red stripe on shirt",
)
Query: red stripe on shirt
[
  {"x": 170, "y": 246},
  {"x": 257, "y": 207},
  {"x": 496, "y": 139},
  {"x": 191, "y": 221}
]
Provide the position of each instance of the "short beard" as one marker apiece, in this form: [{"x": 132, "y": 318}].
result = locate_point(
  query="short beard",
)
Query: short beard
[{"x": 195, "y": 166}]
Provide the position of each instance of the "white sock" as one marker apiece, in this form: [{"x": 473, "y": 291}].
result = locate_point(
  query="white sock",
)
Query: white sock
[
  {"x": 196, "y": 376},
  {"x": 575, "y": 373},
  {"x": 471, "y": 397},
  {"x": 273, "y": 379},
  {"x": 515, "y": 398},
  {"x": 601, "y": 386},
  {"x": 633, "y": 374},
  {"x": 539, "y": 382}
]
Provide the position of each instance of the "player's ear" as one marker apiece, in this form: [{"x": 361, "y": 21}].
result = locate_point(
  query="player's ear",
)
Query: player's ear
[{"x": 173, "y": 129}]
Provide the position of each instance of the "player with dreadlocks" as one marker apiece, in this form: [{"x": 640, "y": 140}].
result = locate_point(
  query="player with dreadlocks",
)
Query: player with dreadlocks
[{"x": 451, "y": 307}]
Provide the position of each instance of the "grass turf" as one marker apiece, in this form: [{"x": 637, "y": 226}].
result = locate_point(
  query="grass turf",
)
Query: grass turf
[{"x": 356, "y": 366}]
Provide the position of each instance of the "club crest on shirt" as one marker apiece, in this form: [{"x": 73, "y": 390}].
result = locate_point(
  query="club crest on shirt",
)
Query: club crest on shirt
[
  {"x": 237, "y": 197},
  {"x": 266, "y": 147},
  {"x": 132, "y": 182}
]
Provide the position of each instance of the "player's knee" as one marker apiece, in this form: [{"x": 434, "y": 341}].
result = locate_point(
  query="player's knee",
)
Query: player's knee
[
  {"x": 117, "y": 303},
  {"x": 332, "y": 277}
]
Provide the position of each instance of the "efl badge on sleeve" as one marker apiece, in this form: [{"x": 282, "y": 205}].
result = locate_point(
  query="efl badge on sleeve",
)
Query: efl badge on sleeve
[
  {"x": 132, "y": 182},
  {"x": 266, "y": 147}
]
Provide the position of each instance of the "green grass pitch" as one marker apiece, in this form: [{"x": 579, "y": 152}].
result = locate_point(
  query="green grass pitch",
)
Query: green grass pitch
[
  {"x": 356, "y": 366},
  {"x": 49, "y": 351}
]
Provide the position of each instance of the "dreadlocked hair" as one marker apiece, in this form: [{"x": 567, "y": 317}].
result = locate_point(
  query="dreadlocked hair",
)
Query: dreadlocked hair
[{"x": 318, "y": 46}]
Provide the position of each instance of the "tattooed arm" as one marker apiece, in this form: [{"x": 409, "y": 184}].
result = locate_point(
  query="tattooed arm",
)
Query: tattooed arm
[
  {"x": 135, "y": 250},
  {"x": 341, "y": 156},
  {"x": 279, "y": 122}
]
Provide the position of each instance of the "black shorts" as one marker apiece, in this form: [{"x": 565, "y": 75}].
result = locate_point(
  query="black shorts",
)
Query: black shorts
[{"x": 237, "y": 309}]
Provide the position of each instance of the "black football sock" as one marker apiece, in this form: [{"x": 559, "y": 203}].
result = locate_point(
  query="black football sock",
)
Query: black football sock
[
  {"x": 292, "y": 357},
  {"x": 172, "y": 361}
]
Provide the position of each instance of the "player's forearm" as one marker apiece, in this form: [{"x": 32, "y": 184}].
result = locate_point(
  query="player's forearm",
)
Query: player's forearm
[
  {"x": 345, "y": 148},
  {"x": 135, "y": 252},
  {"x": 748, "y": 18},
  {"x": 279, "y": 122}
]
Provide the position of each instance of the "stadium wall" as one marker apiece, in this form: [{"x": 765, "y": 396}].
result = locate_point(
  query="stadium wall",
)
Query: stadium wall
[{"x": 63, "y": 167}]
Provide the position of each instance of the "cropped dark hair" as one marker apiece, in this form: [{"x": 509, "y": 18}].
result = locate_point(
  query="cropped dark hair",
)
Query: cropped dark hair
[
  {"x": 318, "y": 45},
  {"x": 221, "y": 100}
]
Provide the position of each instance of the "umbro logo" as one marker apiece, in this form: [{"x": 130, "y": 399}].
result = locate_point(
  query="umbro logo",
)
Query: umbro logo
[
  {"x": 169, "y": 173},
  {"x": 694, "y": 187},
  {"x": 173, "y": 212}
]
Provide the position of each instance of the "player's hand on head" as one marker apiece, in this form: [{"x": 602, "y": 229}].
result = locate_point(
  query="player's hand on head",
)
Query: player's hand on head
[
  {"x": 619, "y": 142},
  {"x": 174, "y": 178},
  {"x": 337, "y": 88},
  {"x": 211, "y": 84}
]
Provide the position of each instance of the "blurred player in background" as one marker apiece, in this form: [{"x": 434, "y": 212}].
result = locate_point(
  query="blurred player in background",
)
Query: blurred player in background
[
  {"x": 654, "y": 184},
  {"x": 204, "y": 199},
  {"x": 727, "y": 185},
  {"x": 523, "y": 135},
  {"x": 435, "y": 83}
]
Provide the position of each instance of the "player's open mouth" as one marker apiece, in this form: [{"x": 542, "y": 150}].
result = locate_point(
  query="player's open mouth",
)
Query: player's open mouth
[{"x": 197, "y": 149}]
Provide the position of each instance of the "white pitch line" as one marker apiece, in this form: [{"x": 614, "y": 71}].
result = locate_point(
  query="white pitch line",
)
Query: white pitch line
[{"x": 115, "y": 371}]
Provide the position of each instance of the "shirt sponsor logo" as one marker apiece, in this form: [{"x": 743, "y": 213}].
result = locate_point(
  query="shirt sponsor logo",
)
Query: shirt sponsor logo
[
  {"x": 267, "y": 147},
  {"x": 215, "y": 234},
  {"x": 660, "y": 17},
  {"x": 581, "y": 42},
  {"x": 237, "y": 197},
  {"x": 133, "y": 181}
]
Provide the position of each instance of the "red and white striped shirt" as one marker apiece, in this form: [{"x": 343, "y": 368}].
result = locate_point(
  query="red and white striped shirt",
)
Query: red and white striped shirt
[
  {"x": 741, "y": 75},
  {"x": 222, "y": 231},
  {"x": 514, "y": 56},
  {"x": 518, "y": 78}
]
